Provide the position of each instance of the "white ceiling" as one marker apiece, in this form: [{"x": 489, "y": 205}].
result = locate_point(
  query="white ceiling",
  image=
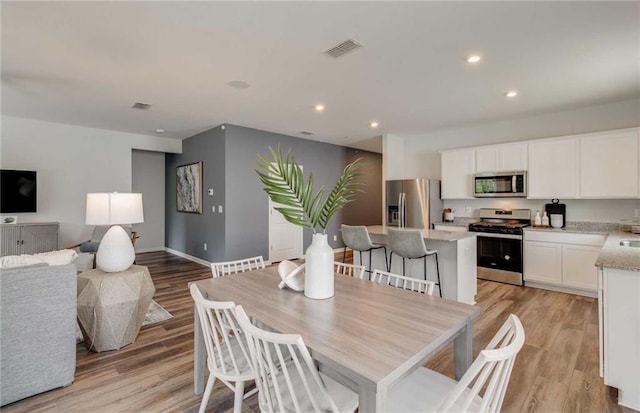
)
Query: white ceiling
[{"x": 87, "y": 63}]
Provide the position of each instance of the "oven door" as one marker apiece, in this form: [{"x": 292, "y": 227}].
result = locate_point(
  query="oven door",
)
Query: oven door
[{"x": 500, "y": 258}]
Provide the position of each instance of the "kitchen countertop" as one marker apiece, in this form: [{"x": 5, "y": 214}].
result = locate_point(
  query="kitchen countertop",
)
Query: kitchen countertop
[
  {"x": 427, "y": 234},
  {"x": 613, "y": 255},
  {"x": 584, "y": 228}
]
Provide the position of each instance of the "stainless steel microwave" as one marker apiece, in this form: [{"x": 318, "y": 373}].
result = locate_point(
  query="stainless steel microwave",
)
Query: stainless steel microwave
[{"x": 500, "y": 184}]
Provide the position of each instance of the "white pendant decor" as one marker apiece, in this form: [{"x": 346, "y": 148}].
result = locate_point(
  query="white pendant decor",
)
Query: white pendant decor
[
  {"x": 319, "y": 272},
  {"x": 115, "y": 252}
]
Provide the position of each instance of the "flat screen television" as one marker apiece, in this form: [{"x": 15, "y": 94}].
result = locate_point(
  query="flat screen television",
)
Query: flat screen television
[{"x": 18, "y": 191}]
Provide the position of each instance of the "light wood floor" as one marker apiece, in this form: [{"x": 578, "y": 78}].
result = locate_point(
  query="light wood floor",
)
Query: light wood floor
[{"x": 556, "y": 371}]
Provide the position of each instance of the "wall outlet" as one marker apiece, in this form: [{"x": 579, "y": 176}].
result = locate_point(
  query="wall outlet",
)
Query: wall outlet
[
  {"x": 335, "y": 237},
  {"x": 205, "y": 246},
  {"x": 220, "y": 209},
  {"x": 213, "y": 209}
]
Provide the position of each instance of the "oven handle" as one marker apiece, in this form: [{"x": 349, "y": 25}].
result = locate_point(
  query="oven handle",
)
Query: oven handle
[{"x": 492, "y": 235}]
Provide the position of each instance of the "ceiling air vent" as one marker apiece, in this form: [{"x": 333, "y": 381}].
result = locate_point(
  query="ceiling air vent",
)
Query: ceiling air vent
[
  {"x": 304, "y": 132},
  {"x": 142, "y": 106},
  {"x": 343, "y": 48}
]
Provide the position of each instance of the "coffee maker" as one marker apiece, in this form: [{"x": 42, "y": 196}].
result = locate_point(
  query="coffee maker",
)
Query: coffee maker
[{"x": 556, "y": 208}]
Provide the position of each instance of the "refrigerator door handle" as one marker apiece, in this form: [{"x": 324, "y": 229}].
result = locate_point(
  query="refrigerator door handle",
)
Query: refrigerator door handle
[{"x": 403, "y": 211}]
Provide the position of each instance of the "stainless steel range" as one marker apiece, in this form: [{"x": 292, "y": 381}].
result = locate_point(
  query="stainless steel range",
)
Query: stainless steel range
[{"x": 500, "y": 244}]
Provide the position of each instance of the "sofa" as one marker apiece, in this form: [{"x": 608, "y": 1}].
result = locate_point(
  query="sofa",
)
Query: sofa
[{"x": 37, "y": 329}]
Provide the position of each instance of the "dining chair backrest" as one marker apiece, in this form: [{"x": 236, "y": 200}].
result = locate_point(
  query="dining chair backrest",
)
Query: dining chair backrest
[
  {"x": 228, "y": 352},
  {"x": 220, "y": 269},
  {"x": 351, "y": 270},
  {"x": 356, "y": 237},
  {"x": 408, "y": 283},
  {"x": 490, "y": 371},
  {"x": 406, "y": 243},
  {"x": 286, "y": 376}
]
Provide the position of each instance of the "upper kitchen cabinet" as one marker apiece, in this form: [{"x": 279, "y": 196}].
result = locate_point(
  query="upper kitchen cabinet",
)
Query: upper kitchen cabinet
[
  {"x": 553, "y": 168},
  {"x": 458, "y": 168},
  {"x": 609, "y": 165},
  {"x": 507, "y": 157}
]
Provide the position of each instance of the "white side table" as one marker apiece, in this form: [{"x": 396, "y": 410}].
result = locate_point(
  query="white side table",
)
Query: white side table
[{"x": 112, "y": 306}]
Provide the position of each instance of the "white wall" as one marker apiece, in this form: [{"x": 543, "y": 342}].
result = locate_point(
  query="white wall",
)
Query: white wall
[
  {"x": 422, "y": 158},
  {"x": 148, "y": 179},
  {"x": 421, "y": 152},
  {"x": 72, "y": 161}
]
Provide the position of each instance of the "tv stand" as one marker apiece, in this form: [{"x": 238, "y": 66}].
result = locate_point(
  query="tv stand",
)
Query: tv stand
[{"x": 28, "y": 238}]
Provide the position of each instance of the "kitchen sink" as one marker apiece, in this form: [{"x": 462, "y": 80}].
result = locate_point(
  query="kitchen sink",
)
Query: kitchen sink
[{"x": 635, "y": 243}]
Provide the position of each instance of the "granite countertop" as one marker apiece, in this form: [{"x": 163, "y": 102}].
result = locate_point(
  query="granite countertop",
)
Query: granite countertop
[
  {"x": 603, "y": 228},
  {"x": 613, "y": 255},
  {"x": 427, "y": 234}
]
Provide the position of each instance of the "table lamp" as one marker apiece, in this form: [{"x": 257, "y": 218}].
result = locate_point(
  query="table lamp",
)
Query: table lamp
[{"x": 115, "y": 252}]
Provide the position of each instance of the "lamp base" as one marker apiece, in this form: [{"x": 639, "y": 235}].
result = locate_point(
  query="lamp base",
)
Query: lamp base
[{"x": 115, "y": 252}]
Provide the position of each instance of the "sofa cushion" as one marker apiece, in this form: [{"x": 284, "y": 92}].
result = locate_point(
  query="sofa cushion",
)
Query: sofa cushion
[{"x": 61, "y": 257}]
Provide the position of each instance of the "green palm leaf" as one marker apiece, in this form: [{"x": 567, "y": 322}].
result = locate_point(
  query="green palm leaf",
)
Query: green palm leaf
[{"x": 285, "y": 184}]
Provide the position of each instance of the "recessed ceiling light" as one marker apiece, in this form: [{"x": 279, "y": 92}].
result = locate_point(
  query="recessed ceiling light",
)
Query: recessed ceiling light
[
  {"x": 238, "y": 84},
  {"x": 159, "y": 130},
  {"x": 511, "y": 93},
  {"x": 374, "y": 124},
  {"x": 319, "y": 108},
  {"x": 473, "y": 58}
]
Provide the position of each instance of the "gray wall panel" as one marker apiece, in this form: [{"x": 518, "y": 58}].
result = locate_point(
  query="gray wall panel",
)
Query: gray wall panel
[{"x": 187, "y": 232}]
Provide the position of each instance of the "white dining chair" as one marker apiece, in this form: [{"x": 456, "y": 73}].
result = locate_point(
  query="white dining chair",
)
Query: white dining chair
[
  {"x": 287, "y": 377},
  {"x": 425, "y": 390},
  {"x": 352, "y": 270},
  {"x": 400, "y": 281},
  {"x": 228, "y": 354},
  {"x": 409, "y": 244},
  {"x": 220, "y": 269}
]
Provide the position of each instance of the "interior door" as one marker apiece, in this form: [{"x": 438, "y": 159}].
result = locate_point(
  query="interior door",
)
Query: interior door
[{"x": 285, "y": 239}]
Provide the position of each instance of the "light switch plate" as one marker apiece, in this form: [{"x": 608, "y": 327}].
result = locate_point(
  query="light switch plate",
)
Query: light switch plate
[
  {"x": 220, "y": 209},
  {"x": 210, "y": 191}
]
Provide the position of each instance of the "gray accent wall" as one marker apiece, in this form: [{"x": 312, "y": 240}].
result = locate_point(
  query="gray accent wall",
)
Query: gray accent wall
[
  {"x": 366, "y": 209},
  {"x": 188, "y": 232},
  {"x": 242, "y": 230}
]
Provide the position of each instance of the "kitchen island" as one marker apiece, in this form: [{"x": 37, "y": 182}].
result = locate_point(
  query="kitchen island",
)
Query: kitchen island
[
  {"x": 457, "y": 257},
  {"x": 619, "y": 316}
]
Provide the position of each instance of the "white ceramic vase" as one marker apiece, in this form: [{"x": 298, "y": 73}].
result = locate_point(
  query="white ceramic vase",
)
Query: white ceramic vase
[{"x": 319, "y": 273}]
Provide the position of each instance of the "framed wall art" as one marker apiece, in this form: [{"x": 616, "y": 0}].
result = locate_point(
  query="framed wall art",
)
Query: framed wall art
[{"x": 189, "y": 188}]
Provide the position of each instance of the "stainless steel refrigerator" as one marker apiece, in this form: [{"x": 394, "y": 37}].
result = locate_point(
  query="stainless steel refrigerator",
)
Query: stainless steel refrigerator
[{"x": 413, "y": 203}]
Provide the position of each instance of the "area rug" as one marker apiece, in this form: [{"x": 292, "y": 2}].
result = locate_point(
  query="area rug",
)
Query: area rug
[{"x": 155, "y": 314}]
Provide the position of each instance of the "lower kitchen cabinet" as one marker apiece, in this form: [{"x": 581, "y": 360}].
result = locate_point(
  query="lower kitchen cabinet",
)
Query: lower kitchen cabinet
[
  {"x": 619, "y": 317},
  {"x": 30, "y": 238},
  {"x": 562, "y": 261}
]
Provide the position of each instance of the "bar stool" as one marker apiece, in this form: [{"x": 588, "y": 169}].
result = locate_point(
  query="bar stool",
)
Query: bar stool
[
  {"x": 357, "y": 238},
  {"x": 410, "y": 244}
]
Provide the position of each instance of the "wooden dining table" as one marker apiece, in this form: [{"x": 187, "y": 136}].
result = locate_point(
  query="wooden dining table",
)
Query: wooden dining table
[{"x": 367, "y": 336}]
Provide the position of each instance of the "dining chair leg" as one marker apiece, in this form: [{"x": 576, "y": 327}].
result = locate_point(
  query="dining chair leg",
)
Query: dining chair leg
[
  {"x": 438, "y": 274},
  {"x": 207, "y": 393},
  {"x": 238, "y": 397}
]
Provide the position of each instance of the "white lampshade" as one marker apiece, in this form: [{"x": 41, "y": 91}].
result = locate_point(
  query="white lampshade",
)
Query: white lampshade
[
  {"x": 114, "y": 208},
  {"x": 115, "y": 252}
]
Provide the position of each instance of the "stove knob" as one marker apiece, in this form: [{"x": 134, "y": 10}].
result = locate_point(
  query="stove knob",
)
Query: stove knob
[{"x": 506, "y": 257}]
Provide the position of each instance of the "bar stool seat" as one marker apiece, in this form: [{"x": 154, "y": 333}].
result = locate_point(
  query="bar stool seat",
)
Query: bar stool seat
[
  {"x": 357, "y": 238},
  {"x": 409, "y": 244}
]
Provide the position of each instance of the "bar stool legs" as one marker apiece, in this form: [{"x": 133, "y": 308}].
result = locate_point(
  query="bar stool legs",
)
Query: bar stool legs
[
  {"x": 370, "y": 250},
  {"x": 424, "y": 257}
]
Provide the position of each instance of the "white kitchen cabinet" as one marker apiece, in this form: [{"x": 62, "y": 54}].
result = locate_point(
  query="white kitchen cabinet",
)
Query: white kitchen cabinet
[
  {"x": 619, "y": 327},
  {"x": 543, "y": 262},
  {"x": 506, "y": 157},
  {"x": 32, "y": 238},
  {"x": 562, "y": 261},
  {"x": 458, "y": 167},
  {"x": 553, "y": 168},
  {"x": 609, "y": 165}
]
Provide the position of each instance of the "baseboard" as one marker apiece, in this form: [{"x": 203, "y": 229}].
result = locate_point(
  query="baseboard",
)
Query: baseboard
[
  {"x": 149, "y": 249},
  {"x": 187, "y": 256}
]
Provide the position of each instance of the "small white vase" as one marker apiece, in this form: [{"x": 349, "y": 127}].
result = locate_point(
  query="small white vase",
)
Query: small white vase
[{"x": 319, "y": 272}]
